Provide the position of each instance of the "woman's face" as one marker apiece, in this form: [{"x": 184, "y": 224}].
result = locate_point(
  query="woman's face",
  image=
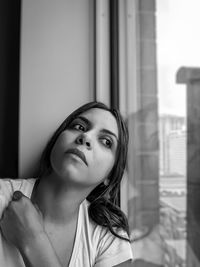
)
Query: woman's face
[{"x": 84, "y": 153}]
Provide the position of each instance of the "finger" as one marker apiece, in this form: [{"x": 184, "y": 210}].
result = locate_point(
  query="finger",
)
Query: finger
[
  {"x": 5, "y": 215},
  {"x": 17, "y": 195}
]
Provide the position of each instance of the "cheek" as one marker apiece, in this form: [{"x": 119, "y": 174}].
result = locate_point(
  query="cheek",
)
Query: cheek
[
  {"x": 105, "y": 164},
  {"x": 53, "y": 157},
  {"x": 56, "y": 153},
  {"x": 61, "y": 144}
]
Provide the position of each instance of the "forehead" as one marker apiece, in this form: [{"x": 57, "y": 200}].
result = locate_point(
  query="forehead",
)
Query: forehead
[{"x": 102, "y": 119}]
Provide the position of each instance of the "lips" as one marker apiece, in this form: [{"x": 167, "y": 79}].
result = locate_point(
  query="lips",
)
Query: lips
[{"x": 78, "y": 153}]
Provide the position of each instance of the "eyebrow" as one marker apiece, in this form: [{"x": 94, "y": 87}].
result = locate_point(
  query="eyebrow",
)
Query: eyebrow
[
  {"x": 110, "y": 133},
  {"x": 83, "y": 118},
  {"x": 102, "y": 130}
]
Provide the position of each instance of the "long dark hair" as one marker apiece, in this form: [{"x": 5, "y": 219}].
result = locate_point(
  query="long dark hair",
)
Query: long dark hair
[{"x": 103, "y": 208}]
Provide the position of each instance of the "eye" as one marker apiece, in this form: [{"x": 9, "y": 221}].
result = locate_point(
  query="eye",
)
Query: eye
[
  {"x": 107, "y": 142},
  {"x": 79, "y": 127}
]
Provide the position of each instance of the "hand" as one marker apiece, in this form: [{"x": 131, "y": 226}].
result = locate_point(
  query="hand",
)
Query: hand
[
  {"x": 6, "y": 192},
  {"x": 22, "y": 222}
]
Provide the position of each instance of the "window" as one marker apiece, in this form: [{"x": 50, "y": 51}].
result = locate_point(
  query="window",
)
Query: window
[
  {"x": 160, "y": 99},
  {"x": 159, "y": 95}
]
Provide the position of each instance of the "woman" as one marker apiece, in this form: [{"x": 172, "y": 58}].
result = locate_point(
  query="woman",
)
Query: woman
[{"x": 68, "y": 216}]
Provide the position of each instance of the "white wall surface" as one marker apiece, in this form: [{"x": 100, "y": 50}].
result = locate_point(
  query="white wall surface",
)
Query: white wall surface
[{"x": 56, "y": 71}]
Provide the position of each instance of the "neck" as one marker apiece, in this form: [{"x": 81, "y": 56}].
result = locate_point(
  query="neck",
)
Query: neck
[{"x": 58, "y": 201}]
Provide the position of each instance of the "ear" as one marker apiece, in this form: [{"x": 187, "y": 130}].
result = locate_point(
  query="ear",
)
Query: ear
[{"x": 106, "y": 182}]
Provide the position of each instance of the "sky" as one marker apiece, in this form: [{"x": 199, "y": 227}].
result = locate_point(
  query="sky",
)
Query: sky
[{"x": 178, "y": 44}]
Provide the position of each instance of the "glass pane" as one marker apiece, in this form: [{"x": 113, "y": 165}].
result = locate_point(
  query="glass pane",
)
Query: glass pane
[
  {"x": 177, "y": 46},
  {"x": 163, "y": 114}
]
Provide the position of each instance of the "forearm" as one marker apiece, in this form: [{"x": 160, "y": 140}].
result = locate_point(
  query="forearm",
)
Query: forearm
[{"x": 39, "y": 253}]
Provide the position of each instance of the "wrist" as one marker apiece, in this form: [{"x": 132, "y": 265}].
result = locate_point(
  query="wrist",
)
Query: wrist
[
  {"x": 33, "y": 243},
  {"x": 39, "y": 252}
]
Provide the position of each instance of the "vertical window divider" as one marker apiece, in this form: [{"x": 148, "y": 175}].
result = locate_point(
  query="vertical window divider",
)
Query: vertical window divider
[
  {"x": 114, "y": 53},
  {"x": 128, "y": 78},
  {"x": 102, "y": 51}
]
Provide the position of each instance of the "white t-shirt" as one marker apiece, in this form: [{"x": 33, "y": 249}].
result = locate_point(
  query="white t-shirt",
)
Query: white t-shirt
[{"x": 94, "y": 246}]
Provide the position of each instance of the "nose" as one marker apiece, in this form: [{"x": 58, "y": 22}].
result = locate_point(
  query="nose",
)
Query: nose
[{"x": 82, "y": 139}]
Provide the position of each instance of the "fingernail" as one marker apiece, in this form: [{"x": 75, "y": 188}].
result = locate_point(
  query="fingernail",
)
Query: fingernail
[{"x": 17, "y": 195}]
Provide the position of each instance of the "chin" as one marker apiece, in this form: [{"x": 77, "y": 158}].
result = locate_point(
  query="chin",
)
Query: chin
[{"x": 72, "y": 174}]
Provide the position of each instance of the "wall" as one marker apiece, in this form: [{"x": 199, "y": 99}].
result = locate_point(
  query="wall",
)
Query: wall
[
  {"x": 56, "y": 73},
  {"x": 9, "y": 87}
]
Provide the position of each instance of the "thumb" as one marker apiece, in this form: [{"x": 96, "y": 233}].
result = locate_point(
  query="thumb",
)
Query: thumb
[{"x": 17, "y": 195}]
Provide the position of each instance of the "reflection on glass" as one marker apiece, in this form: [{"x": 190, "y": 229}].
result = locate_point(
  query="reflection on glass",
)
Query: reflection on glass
[
  {"x": 172, "y": 130},
  {"x": 162, "y": 192},
  {"x": 172, "y": 180}
]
